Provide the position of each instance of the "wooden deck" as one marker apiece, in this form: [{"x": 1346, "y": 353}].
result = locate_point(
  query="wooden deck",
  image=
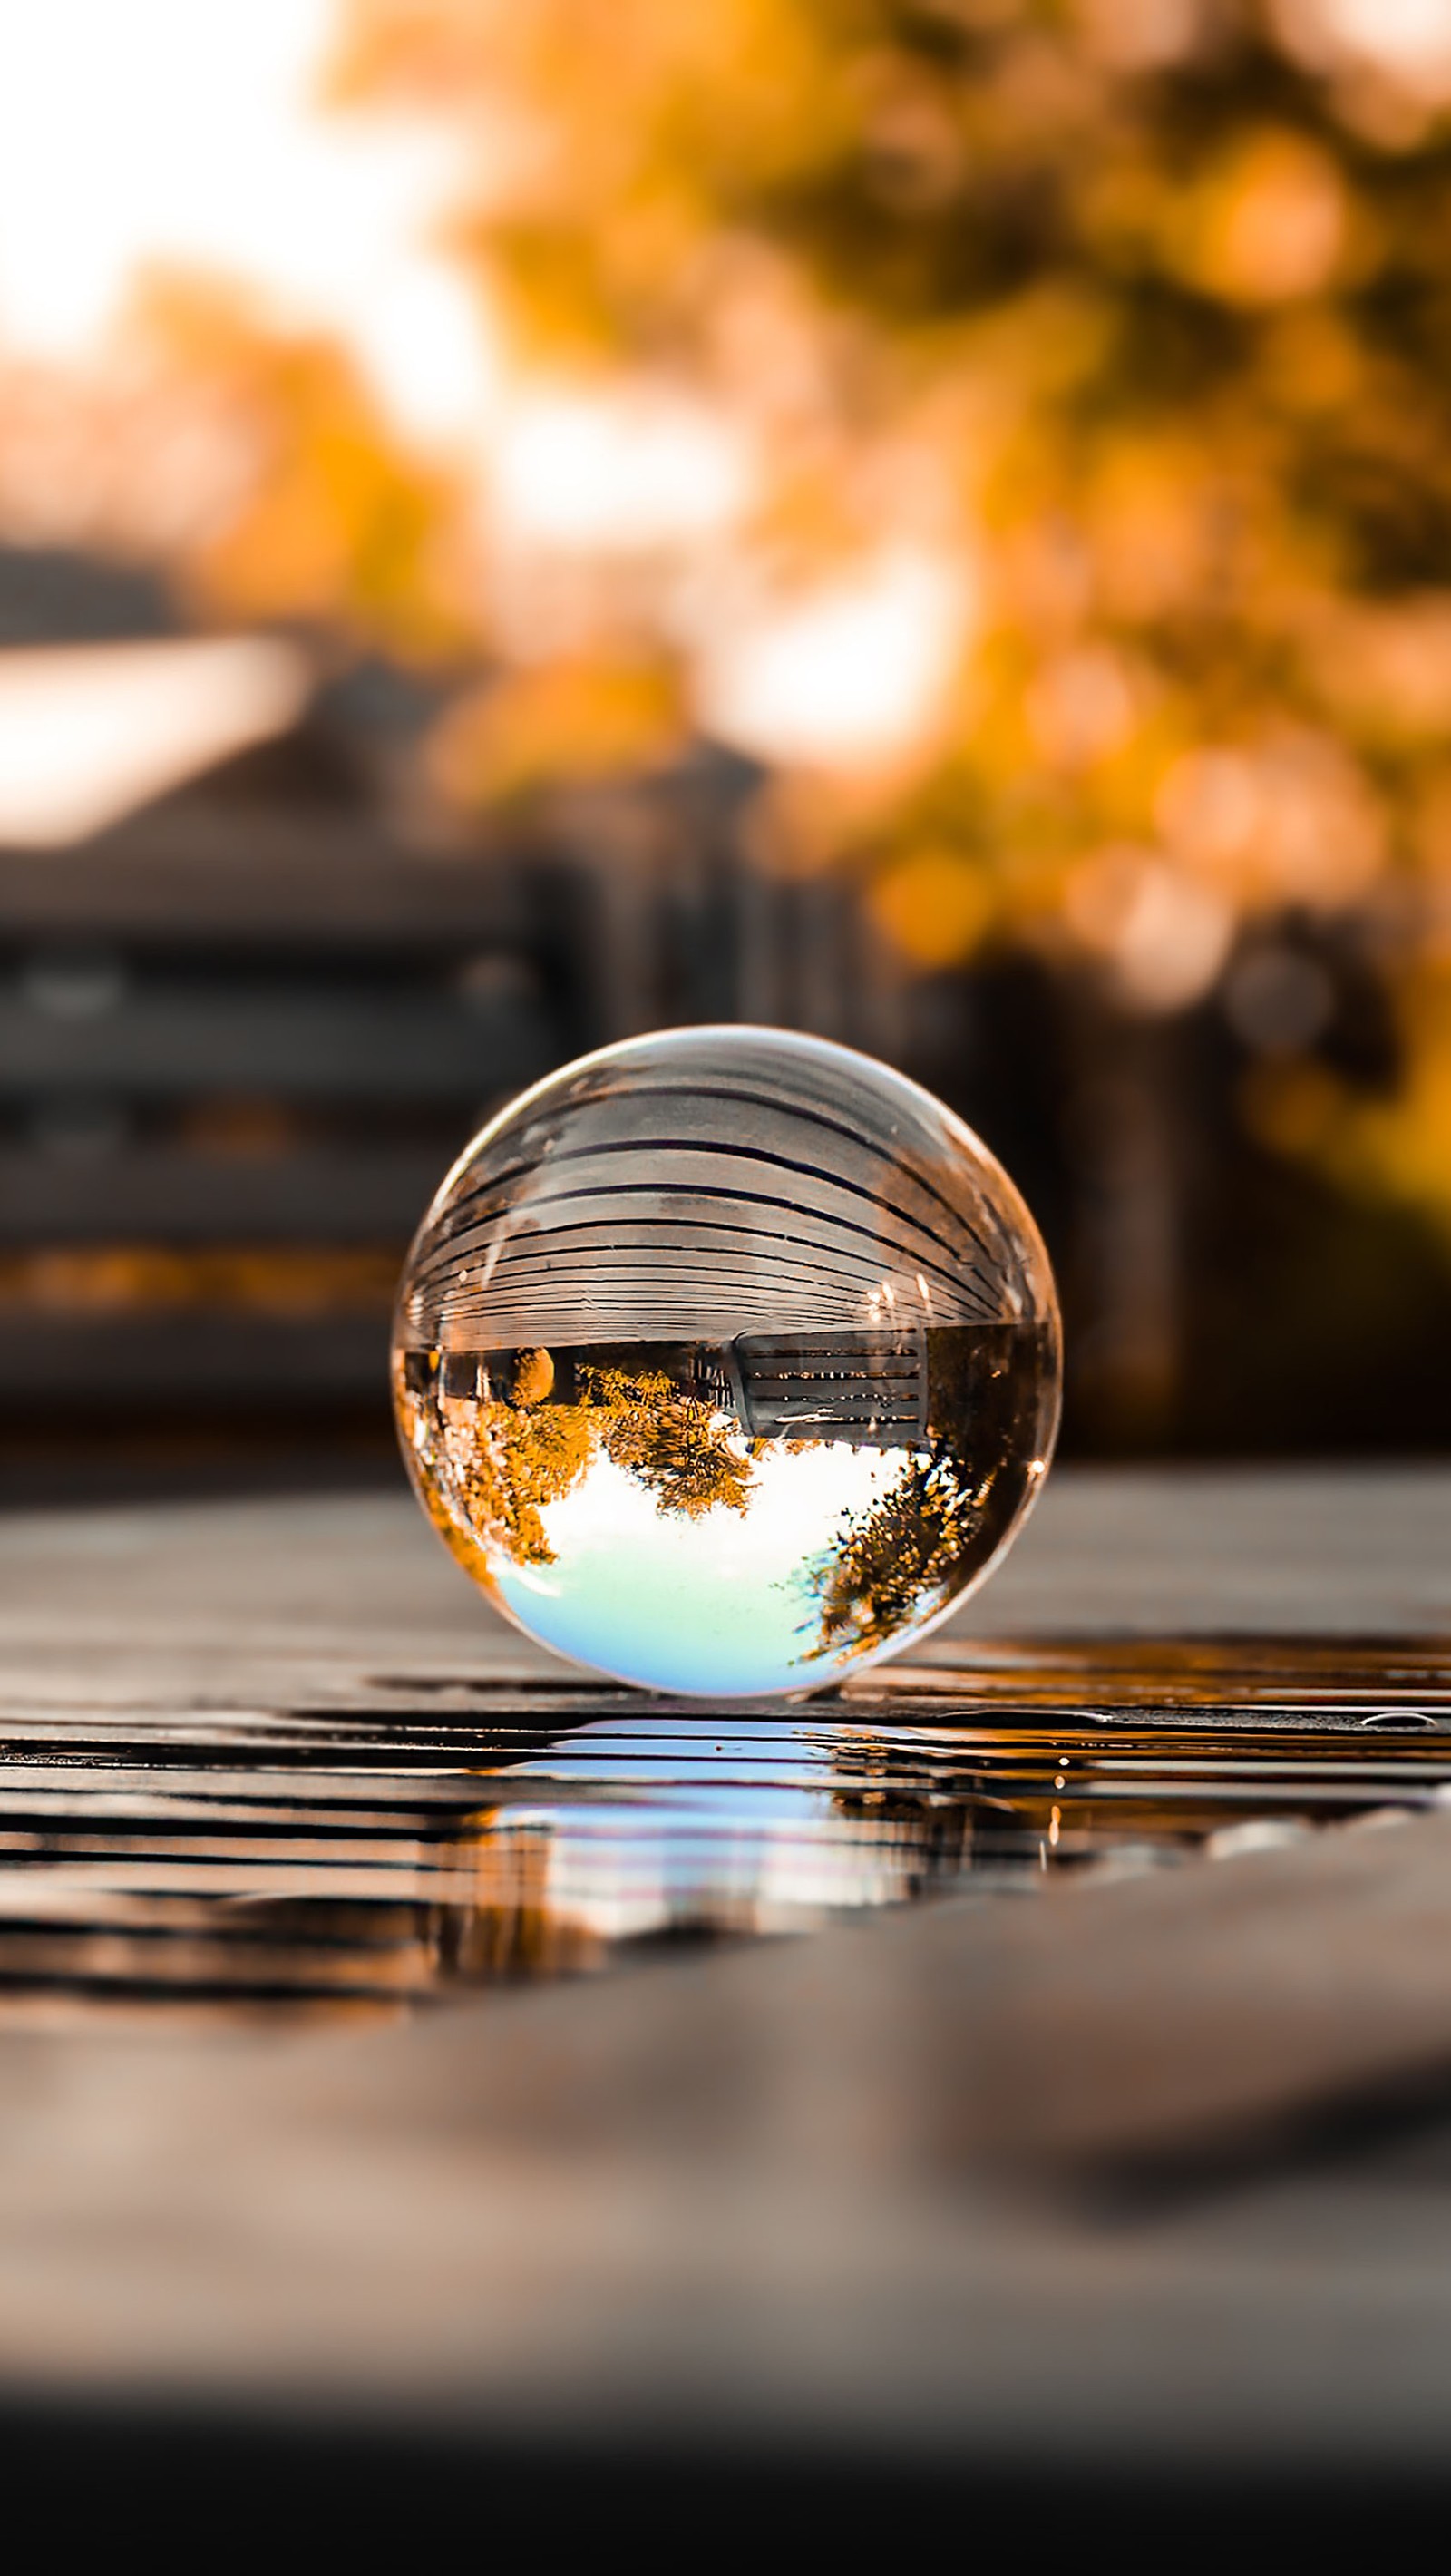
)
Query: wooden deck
[{"x": 1142, "y": 2186}]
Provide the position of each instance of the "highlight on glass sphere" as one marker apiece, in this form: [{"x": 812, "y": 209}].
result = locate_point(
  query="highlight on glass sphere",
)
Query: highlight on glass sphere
[{"x": 727, "y": 1361}]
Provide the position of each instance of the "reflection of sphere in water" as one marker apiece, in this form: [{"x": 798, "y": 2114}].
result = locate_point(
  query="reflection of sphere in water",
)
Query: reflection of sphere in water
[{"x": 727, "y": 1361}]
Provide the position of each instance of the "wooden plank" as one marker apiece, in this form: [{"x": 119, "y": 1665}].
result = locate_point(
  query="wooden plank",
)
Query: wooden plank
[
  {"x": 305, "y": 1042},
  {"x": 826, "y": 2192},
  {"x": 189, "y": 877},
  {"x": 726, "y": 2201},
  {"x": 177, "y": 1195},
  {"x": 84, "y": 1365},
  {"x": 1319, "y": 1550},
  {"x": 1323, "y": 1552}
]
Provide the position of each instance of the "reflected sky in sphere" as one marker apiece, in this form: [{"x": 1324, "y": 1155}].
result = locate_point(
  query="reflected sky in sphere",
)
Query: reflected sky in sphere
[{"x": 724, "y": 1602}]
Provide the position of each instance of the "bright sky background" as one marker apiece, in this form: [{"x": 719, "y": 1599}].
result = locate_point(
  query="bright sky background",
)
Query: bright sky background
[{"x": 137, "y": 132}]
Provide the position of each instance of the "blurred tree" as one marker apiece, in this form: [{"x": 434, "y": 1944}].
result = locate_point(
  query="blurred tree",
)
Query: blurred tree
[
  {"x": 1114, "y": 334},
  {"x": 1134, "y": 314},
  {"x": 596, "y": 717},
  {"x": 314, "y": 514}
]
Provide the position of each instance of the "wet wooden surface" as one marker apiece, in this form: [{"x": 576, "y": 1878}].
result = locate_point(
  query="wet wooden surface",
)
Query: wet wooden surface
[
  {"x": 1153, "y": 2168},
  {"x": 329, "y": 1584}
]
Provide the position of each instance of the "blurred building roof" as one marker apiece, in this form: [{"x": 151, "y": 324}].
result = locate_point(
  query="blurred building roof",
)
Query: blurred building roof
[
  {"x": 56, "y": 595},
  {"x": 105, "y": 706},
  {"x": 89, "y": 732},
  {"x": 109, "y": 707}
]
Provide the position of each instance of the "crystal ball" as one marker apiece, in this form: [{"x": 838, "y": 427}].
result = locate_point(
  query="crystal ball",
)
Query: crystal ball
[{"x": 726, "y": 1361}]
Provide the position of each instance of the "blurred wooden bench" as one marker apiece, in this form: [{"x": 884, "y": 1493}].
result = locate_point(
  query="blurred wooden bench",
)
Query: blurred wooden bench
[{"x": 230, "y": 1031}]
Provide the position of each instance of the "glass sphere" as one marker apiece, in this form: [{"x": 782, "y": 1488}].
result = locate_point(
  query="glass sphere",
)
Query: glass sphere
[{"x": 727, "y": 1360}]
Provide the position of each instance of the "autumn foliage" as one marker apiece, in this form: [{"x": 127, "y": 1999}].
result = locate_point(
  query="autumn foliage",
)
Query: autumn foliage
[
  {"x": 1128, "y": 319},
  {"x": 1132, "y": 313},
  {"x": 498, "y": 1460}
]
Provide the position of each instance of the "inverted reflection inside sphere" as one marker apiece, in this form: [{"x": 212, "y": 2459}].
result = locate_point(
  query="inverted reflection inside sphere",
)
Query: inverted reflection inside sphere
[{"x": 727, "y": 1360}]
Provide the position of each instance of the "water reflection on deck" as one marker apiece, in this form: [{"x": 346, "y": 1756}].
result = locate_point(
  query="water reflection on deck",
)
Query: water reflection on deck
[{"x": 368, "y": 1855}]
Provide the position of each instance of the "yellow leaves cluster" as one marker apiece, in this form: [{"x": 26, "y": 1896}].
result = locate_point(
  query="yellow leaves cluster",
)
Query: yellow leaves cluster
[
  {"x": 633, "y": 127},
  {"x": 1268, "y": 222},
  {"x": 555, "y": 725},
  {"x": 1154, "y": 344},
  {"x": 496, "y": 1464},
  {"x": 1383, "y": 668},
  {"x": 1388, "y": 1147},
  {"x": 506, "y": 1463},
  {"x": 1287, "y": 820},
  {"x": 934, "y": 905},
  {"x": 324, "y": 520}
]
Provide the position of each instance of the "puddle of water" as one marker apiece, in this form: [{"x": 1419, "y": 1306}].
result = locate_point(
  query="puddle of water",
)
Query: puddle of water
[{"x": 368, "y": 1856}]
